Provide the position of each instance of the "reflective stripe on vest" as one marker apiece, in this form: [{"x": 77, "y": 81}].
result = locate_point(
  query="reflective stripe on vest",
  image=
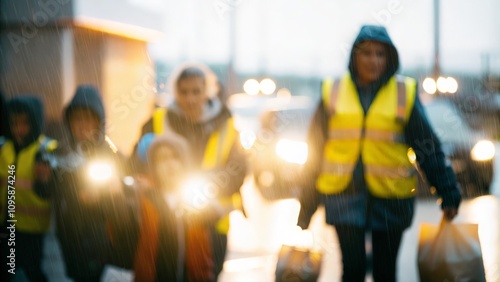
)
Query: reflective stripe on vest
[
  {"x": 219, "y": 145},
  {"x": 378, "y": 136},
  {"x": 216, "y": 154},
  {"x": 31, "y": 212},
  {"x": 159, "y": 121},
  {"x": 401, "y": 106}
]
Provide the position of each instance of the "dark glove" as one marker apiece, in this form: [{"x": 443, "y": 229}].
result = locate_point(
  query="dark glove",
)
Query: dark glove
[
  {"x": 451, "y": 198},
  {"x": 43, "y": 179},
  {"x": 450, "y": 202}
]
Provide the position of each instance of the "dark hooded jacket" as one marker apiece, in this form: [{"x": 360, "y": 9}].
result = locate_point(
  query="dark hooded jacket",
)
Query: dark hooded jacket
[
  {"x": 33, "y": 107},
  {"x": 87, "y": 97},
  {"x": 355, "y": 205},
  {"x": 83, "y": 226},
  {"x": 73, "y": 156}
]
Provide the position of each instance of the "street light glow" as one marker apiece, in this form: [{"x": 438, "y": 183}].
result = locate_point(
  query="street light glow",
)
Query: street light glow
[
  {"x": 429, "y": 85},
  {"x": 452, "y": 85},
  {"x": 251, "y": 87},
  {"x": 442, "y": 84},
  {"x": 484, "y": 150},
  {"x": 267, "y": 86},
  {"x": 284, "y": 93}
]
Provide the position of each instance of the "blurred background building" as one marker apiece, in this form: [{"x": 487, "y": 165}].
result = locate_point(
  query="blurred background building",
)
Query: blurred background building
[{"x": 49, "y": 47}]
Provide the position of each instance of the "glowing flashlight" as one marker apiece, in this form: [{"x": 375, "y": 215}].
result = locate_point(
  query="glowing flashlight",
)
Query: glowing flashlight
[
  {"x": 100, "y": 171},
  {"x": 196, "y": 192}
]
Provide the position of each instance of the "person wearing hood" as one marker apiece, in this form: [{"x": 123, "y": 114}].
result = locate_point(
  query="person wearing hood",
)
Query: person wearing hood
[
  {"x": 86, "y": 195},
  {"x": 208, "y": 126},
  {"x": 164, "y": 247},
  {"x": 359, "y": 139},
  {"x": 25, "y": 170}
]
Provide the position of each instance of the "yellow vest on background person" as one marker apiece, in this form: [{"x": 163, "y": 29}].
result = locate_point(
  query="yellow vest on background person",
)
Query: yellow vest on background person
[
  {"x": 216, "y": 155},
  {"x": 377, "y": 136},
  {"x": 31, "y": 212}
]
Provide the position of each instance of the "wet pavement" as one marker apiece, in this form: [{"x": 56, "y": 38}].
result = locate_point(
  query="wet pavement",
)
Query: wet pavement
[
  {"x": 274, "y": 223},
  {"x": 255, "y": 241}
]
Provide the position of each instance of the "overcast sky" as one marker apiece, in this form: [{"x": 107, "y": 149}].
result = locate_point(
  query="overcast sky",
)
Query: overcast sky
[{"x": 312, "y": 37}]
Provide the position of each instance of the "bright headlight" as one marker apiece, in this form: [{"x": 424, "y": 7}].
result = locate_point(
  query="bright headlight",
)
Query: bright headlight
[
  {"x": 292, "y": 151},
  {"x": 484, "y": 150},
  {"x": 100, "y": 171}
]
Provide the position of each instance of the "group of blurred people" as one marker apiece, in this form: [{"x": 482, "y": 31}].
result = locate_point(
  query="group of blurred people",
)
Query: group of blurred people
[
  {"x": 166, "y": 227},
  {"x": 146, "y": 225}
]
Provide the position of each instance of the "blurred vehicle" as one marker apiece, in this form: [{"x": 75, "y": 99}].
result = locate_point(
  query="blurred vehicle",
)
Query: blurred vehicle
[
  {"x": 470, "y": 152},
  {"x": 274, "y": 132}
]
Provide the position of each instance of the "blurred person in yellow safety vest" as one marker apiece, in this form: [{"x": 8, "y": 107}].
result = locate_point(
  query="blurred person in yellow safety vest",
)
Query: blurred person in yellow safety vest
[
  {"x": 363, "y": 139},
  {"x": 26, "y": 168},
  {"x": 206, "y": 123}
]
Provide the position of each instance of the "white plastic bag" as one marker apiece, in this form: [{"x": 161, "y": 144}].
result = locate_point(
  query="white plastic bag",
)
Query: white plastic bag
[
  {"x": 299, "y": 261},
  {"x": 450, "y": 252}
]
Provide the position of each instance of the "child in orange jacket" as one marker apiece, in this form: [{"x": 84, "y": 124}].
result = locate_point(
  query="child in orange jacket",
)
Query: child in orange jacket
[{"x": 171, "y": 245}]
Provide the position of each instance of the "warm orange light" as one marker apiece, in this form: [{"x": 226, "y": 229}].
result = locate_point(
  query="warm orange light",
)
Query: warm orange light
[{"x": 118, "y": 28}]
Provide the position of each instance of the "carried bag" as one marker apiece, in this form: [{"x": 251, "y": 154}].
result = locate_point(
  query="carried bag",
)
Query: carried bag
[
  {"x": 299, "y": 263},
  {"x": 450, "y": 252}
]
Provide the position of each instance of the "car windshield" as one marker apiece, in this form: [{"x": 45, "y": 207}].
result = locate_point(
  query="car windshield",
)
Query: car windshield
[
  {"x": 294, "y": 123},
  {"x": 249, "y": 110},
  {"x": 448, "y": 124}
]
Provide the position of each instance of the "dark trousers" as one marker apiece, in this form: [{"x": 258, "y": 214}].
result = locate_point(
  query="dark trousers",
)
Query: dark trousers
[
  {"x": 28, "y": 255},
  {"x": 82, "y": 256},
  {"x": 385, "y": 246}
]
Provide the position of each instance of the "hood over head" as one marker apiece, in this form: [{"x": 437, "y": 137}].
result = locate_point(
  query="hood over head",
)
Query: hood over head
[
  {"x": 176, "y": 142},
  {"x": 33, "y": 107},
  {"x": 375, "y": 33},
  {"x": 88, "y": 97}
]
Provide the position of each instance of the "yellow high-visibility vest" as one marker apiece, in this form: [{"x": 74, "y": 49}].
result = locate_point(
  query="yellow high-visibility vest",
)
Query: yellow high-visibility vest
[
  {"x": 31, "y": 212},
  {"x": 216, "y": 155},
  {"x": 377, "y": 136}
]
